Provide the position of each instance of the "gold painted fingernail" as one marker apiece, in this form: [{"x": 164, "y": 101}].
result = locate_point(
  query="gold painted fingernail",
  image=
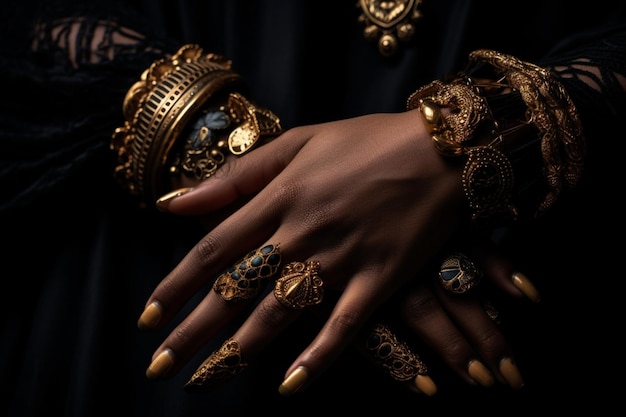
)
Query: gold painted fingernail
[
  {"x": 164, "y": 202},
  {"x": 511, "y": 373},
  {"x": 294, "y": 381},
  {"x": 160, "y": 365},
  {"x": 150, "y": 316},
  {"x": 480, "y": 373},
  {"x": 425, "y": 385},
  {"x": 524, "y": 285}
]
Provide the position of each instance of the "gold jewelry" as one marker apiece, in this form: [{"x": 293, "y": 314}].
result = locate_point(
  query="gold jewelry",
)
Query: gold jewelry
[
  {"x": 459, "y": 274},
  {"x": 488, "y": 174},
  {"x": 393, "y": 355},
  {"x": 389, "y": 22},
  {"x": 488, "y": 182},
  {"x": 222, "y": 365},
  {"x": 254, "y": 122},
  {"x": 492, "y": 311},
  {"x": 158, "y": 109},
  {"x": 205, "y": 151},
  {"x": 553, "y": 112},
  {"x": 248, "y": 277},
  {"x": 463, "y": 119},
  {"x": 468, "y": 110},
  {"x": 299, "y": 285}
]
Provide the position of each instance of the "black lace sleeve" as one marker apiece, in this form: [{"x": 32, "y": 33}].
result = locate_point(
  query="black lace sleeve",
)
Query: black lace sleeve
[
  {"x": 592, "y": 67},
  {"x": 69, "y": 69}
]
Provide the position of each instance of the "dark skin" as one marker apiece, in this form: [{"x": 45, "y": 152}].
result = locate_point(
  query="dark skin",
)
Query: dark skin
[{"x": 297, "y": 190}]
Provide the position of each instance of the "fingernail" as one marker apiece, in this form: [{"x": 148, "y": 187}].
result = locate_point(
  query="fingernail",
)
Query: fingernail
[
  {"x": 425, "y": 385},
  {"x": 160, "y": 365},
  {"x": 524, "y": 285},
  {"x": 150, "y": 316},
  {"x": 511, "y": 373},
  {"x": 164, "y": 202},
  {"x": 480, "y": 373},
  {"x": 294, "y": 381}
]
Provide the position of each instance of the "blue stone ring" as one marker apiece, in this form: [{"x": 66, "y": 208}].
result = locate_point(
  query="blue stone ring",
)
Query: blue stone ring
[
  {"x": 459, "y": 274},
  {"x": 247, "y": 278}
]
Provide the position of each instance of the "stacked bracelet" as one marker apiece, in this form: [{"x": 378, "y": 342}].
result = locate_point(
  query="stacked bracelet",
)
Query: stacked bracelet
[
  {"x": 518, "y": 129},
  {"x": 185, "y": 115}
]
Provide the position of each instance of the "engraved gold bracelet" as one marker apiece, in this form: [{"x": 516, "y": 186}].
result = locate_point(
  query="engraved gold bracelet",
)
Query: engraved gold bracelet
[
  {"x": 462, "y": 119},
  {"x": 159, "y": 109}
]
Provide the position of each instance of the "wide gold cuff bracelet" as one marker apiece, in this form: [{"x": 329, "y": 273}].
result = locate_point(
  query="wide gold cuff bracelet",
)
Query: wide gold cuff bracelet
[{"x": 158, "y": 111}]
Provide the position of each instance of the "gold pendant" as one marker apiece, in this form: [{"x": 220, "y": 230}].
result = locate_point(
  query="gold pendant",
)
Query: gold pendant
[{"x": 389, "y": 21}]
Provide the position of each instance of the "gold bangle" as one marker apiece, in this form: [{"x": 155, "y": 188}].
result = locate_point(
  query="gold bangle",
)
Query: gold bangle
[
  {"x": 159, "y": 107},
  {"x": 552, "y": 111},
  {"x": 468, "y": 127}
]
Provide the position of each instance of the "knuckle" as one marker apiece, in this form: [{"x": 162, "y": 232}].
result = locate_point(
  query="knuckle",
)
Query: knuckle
[
  {"x": 419, "y": 303},
  {"x": 287, "y": 192},
  {"x": 344, "y": 323},
  {"x": 491, "y": 340},
  {"x": 207, "y": 251},
  {"x": 182, "y": 335},
  {"x": 271, "y": 313},
  {"x": 455, "y": 349}
]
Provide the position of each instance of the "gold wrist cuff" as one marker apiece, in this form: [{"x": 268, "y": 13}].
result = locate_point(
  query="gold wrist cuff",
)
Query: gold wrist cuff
[
  {"x": 158, "y": 108},
  {"x": 461, "y": 121}
]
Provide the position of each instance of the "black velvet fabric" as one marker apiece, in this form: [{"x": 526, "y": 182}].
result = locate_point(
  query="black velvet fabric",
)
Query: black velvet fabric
[{"x": 80, "y": 259}]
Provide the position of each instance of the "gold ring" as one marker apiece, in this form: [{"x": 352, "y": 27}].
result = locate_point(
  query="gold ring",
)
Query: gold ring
[
  {"x": 394, "y": 355},
  {"x": 222, "y": 365},
  {"x": 491, "y": 311},
  {"x": 459, "y": 274},
  {"x": 299, "y": 285},
  {"x": 248, "y": 277}
]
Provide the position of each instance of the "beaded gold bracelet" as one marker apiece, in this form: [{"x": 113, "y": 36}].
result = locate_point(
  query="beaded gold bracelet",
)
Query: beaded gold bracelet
[
  {"x": 512, "y": 120},
  {"x": 185, "y": 115}
]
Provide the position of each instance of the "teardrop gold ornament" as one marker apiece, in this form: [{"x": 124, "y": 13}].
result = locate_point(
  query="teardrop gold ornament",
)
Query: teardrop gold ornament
[
  {"x": 389, "y": 22},
  {"x": 300, "y": 285}
]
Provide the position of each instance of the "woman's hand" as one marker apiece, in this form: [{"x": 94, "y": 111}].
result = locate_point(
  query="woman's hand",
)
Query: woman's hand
[
  {"x": 462, "y": 328},
  {"x": 367, "y": 198}
]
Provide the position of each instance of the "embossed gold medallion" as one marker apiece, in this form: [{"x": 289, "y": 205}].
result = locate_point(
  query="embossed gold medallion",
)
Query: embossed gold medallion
[
  {"x": 299, "y": 285},
  {"x": 389, "y": 22}
]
